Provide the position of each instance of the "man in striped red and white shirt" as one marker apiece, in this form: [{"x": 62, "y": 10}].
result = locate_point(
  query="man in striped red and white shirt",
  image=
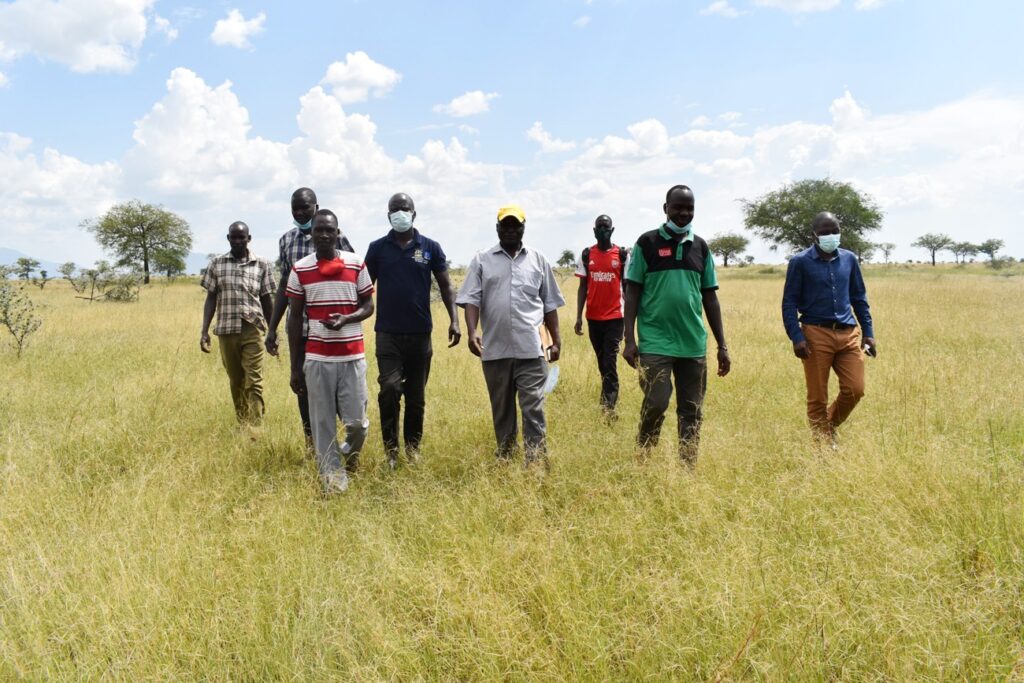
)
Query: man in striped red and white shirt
[{"x": 334, "y": 290}]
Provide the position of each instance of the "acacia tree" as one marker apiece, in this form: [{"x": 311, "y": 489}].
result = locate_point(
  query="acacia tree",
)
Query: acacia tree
[
  {"x": 783, "y": 217},
  {"x": 862, "y": 248},
  {"x": 24, "y": 267},
  {"x": 886, "y": 248},
  {"x": 566, "y": 259},
  {"x": 990, "y": 248},
  {"x": 933, "y": 242},
  {"x": 169, "y": 264},
  {"x": 136, "y": 233},
  {"x": 963, "y": 250},
  {"x": 728, "y": 246}
]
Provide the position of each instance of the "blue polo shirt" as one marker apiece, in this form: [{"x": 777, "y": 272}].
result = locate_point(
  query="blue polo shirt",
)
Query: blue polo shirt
[
  {"x": 403, "y": 276},
  {"x": 824, "y": 290}
]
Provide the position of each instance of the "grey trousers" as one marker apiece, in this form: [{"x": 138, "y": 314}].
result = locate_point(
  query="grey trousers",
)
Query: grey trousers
[
  {"x": 336, "y": 390},
  {"x": 506, "y": 379},
  {"x": 691, "y": 379}
]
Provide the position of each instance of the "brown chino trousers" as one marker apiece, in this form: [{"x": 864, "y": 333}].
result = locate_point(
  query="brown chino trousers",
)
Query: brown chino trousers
[
  {"x": 242, "y": 355},
  {"x": 837, "y": 350}
]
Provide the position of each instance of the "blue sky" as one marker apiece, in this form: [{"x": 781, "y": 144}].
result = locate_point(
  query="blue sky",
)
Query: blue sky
[{"x": 570, "y": 108}]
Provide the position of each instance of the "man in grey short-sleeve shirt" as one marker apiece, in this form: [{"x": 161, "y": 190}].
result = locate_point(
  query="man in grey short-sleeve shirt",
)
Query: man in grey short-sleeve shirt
[{"x": 511, "y": 290}]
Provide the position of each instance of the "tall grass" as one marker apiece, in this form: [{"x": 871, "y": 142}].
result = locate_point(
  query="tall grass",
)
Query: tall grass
[{"x": 143, "y": 536}]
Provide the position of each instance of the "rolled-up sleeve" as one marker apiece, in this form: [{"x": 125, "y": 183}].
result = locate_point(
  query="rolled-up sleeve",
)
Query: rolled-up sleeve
[
  {"x": 790, "y": 299},
  {"x": 471, "y": 291}
]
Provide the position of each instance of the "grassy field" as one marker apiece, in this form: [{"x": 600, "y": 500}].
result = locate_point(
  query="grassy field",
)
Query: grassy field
[{"x": 143, "y": 537}]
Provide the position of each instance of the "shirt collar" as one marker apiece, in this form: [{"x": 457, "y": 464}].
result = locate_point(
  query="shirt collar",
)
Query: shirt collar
[
  {"x": 417, "y": 239},
  {"x": 249, "y": 257},
  {"x": 497, "y": 248},
  {"x": 666, "y": 235}
]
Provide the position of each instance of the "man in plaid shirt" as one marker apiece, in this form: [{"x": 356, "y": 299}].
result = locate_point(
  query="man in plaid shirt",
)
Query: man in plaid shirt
[
  {"x": 295, "y": 245},
  {"x": 240, "y": 287}
]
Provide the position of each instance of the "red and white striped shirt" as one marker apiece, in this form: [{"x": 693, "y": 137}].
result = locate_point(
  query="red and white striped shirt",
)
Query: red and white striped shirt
[{"x": 325, "y": 295}]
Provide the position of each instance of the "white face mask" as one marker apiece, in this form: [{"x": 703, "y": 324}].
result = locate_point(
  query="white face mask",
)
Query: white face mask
[
  {"x": 828, "y": 243},
  {"x": 401, "y": 221}
]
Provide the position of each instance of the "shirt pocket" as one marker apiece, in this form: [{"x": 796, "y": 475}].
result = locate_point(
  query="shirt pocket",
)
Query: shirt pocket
[{"x": 527, "y": 282}]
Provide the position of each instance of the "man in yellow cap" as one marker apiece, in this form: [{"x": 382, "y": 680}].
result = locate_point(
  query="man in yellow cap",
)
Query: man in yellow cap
[{"x": 511, "y": 289}]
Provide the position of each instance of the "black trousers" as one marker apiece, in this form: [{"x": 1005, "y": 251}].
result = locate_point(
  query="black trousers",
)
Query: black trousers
[
  {"x": 403, "y": 363},
  {"x": 605, "y": 337}
]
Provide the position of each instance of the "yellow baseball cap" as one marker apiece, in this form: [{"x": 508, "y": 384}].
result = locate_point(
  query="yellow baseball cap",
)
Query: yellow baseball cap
[{"x": 511, "y": 210}]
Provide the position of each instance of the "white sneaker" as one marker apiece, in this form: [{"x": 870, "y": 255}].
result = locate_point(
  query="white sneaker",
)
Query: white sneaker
[{"x": 336, "y": 482}]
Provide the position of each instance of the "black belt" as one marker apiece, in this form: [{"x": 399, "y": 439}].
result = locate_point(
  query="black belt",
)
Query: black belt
[{"x": 832, "y": 326}]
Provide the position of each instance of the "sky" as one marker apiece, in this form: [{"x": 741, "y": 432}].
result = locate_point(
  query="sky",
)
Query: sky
[{"x": 569, "y": 108}]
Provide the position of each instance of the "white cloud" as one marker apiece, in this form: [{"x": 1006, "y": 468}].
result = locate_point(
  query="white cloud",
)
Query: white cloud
[
  {"x": 164, "y": 26},
  {"x": 467, "y": 104},
  {"x": 548, "y": 144},
  {"x": 869, "y": 4},
  {"x": 700, "y": 122},
  {"x": 799, "y": 6},
  {"x": 730, "y": 116},
  {"x": 355, "y": 79},
  {"x": 721, "y": 8},
  {"x": 4, "y": 81},
  {"x": 235, "y": 30},
  {"x": 195, "y": 147},
  {"x": 581, "y": 22},
  {"x": 85, "y": 35},
  {"x": 468, "y": 130}
]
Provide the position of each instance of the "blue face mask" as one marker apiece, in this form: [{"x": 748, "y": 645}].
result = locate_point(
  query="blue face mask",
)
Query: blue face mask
[
  {"x": 401, "y": 221},
  {"x": 304, "y": 227},
  {"x": 828, "y": 243},
  {"x": 676, "y": 229}
]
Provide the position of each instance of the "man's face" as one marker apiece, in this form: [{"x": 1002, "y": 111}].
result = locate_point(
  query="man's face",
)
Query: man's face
[
  {"x": 303, "y": 208},
  {"x": 826, "y": 226},
  {"x": 510, "y": 231},
  {"x": 401, "y": 203},
  {"x": 325, "y": 233},
  {"x": 238, "y": 238},
  {"x": 679, "y": 208},
  {"x": 603, "y": 231}
]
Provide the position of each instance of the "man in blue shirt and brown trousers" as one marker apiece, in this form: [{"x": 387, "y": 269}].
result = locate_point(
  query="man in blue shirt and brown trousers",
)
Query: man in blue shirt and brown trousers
[{"x": 825, "y": 287}]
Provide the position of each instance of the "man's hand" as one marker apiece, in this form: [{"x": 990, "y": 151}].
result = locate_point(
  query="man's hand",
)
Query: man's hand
[
  {"x": 204, "y": 342},
  {"x": 872, "y": 345},
  {"x": 801, "y": 350},
  {"x": 298, "y": 382},
  {"x": 631, "y": 353},
  {"x": 724, "y": 362},
  {"x": 578, "y": 327},
  {"x": 271, "y": 343},
  {"x": 454, "y": 334},
  {"x": 554, "y": 353},
  {"x": 476, "y": 345},
  {"x": 335, "y": 321}
]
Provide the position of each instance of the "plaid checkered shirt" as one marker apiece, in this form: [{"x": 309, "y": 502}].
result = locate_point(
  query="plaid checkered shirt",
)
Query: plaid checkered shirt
[
  {"x": 239, "y": 284},
  {"x": 293, "y": 247}
]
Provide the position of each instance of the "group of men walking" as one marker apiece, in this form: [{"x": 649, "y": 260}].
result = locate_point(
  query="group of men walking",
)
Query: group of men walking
[{"x": 659, "y": 291}]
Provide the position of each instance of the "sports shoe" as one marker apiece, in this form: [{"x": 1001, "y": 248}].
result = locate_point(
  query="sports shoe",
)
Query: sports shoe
[{"x": 336, "y": 482}]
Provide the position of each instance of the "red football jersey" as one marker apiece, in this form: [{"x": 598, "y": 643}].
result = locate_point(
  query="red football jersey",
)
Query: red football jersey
[{"x": 603, "y": 271}]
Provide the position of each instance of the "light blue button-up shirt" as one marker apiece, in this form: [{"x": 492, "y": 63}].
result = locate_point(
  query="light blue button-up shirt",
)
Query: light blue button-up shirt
[{"x": 513, "y": 294}]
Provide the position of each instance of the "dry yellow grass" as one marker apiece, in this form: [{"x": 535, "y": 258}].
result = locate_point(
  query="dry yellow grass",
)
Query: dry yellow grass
[{"x": 143, "y": 537}]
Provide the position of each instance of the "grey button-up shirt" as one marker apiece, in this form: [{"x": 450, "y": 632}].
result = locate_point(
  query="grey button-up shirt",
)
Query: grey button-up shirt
[{"x": 513, "y": 294}]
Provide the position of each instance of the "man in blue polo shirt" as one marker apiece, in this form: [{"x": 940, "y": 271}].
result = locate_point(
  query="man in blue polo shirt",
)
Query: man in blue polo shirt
[
  {"x": 825, "y": 287},
  {"x": 401, "y": 264}
]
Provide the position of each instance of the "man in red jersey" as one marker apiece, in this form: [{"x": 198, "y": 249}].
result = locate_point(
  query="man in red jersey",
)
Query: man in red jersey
[
  {"x": 600, "y": 270},
  {"x": 333, "y": 289}
]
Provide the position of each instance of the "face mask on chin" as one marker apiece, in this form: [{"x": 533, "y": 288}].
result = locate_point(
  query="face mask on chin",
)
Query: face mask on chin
[
  {"x": 401, "y": 221},
  {"x": 828, "y": 243},
  {"x": 304, "y": 227},
  {"x": 676, "y": 229}
]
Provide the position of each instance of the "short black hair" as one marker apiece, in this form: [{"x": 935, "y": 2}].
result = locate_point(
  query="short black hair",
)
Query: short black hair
[
  {"x": 325, "y": 212},
  {"x": 674, "y": 188},
  {"x": 304, "y": 192}
]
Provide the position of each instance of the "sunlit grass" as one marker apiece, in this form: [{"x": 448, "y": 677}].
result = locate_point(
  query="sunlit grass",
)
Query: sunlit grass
[{"x": 143, "y": 536}]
